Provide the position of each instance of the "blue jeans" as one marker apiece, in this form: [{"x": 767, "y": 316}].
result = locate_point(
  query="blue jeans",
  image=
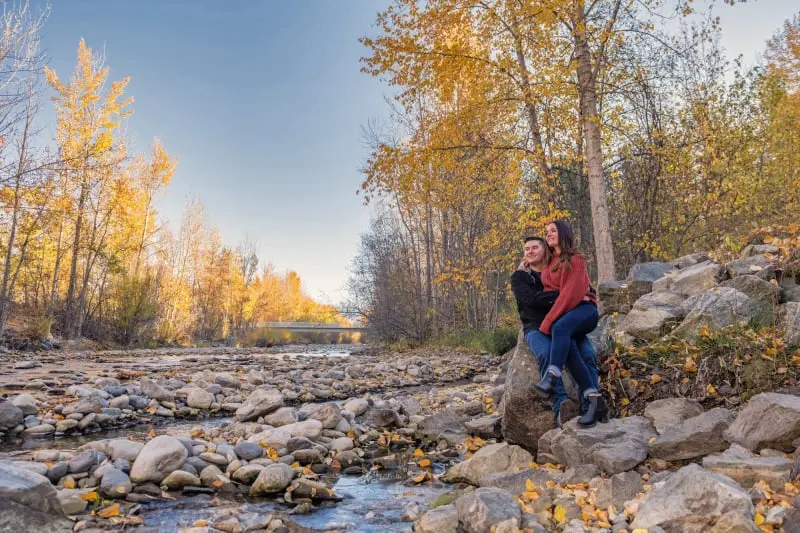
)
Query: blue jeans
[
  {"x": 580, "y": 349},
  {"x": 575, "y": 323}
]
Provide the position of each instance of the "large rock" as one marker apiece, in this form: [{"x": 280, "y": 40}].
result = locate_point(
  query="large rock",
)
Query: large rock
[
  {"x": 716, "y": 309},
  {"x": 671, "y": 411},
  {"x": 27, "y": 404},
  {"x": 697, "y": 278},
  {"x": 760, "y": 290},
  {"x": 744, "y": 467},
  {"x": 327, "y": 413},
  {"x": 30, "y": 503},
  {"x": 199, "y": 399},
  {"x": 115, "y": 484},
  {"x": 619, "y": 296},
  {"x": 769, "y": 420},
  {"x": 694, "y": 437},
  {"x": 442, "y": 519},
  {"x": 526, "y": 416},
  {"x": 282, "y": 417},
  {"x": 10, "y": 416},
  {"x": 158, "y": 458},
  {"x": 488, "y": 509},
  {"x": 791, "y": 321},
  {"x": 501, "y": 457},
  {"x": 651, "y": 271},
  {"x": 617, "y": 489},
  {"x": 310, "y": 429},
  {"x": 653, "y": 315},
  {"x": 614, "y": 447},
  {"x": 260, "y": 402},
  {"x": 153, "y": 390},
  {"x": 273, "y": 478},
  {"x": 271, "y": 438},
  {"x": 124, "y": 449},
  {"x": 758, "y": 249},
  {"x": 444, "y": 424},
  {"x": 689, "y": 493},
  {"x": 515, "y": 482},
  {"x": 757, "y": 265}
]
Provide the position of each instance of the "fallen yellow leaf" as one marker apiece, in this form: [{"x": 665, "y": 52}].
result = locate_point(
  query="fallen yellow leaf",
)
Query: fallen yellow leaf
[
  {"x": 655, "y": 378},
  {"x": 424, "y": 463},
  {"x": 530, "y": 485},
  {"x": 108, "y": 512},
  {"x": 559, "y": 514},
  {"x": 418, "y": 453}
]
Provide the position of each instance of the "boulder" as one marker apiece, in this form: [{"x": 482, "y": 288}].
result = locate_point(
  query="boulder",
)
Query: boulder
[
  {"x": 115, "y": 484},
  {"x": 310, "y": 429},
  {"x": 327, "y": 413},
  {"x": 27, "y": 404},
  {"x": 501, "y": 457},
  {"x": 448, "y": 424},
  {"x": 689, "y": 493},
  {"x": 199, "y": 398},
  {"x": 747, "y": 469},
  {"x": 614, "y": 447},
  {"x": 653, "y": 315},
  {"x": 442, "y": 519},
  {"x": 617, "y": 489},
  {"x": 271, "y": 437},
  {"x": 29, "y": 503},
  {"x": 697, "y": 278},
  {"x": 526, "y": 416},
  {"x": 158, "y": 458},
  {"x": 694, "y": 437},
  {"x": 357, "y": 406},
  {"x": 686, "y": 261},
  {"x": 488, "y": 509},
  {"x": 487, "y": 427},
  {"x": 10, "y": 416},
  {"x": 716, "y": 309},
  {"x": 273, "y": 478},
  {"x": 762, "y": 291},
  {"x": 758, "y": 249},
  {"x": 515, "y": 482},
  {"x": 380, "y": 417},
  {"x": 757, "y": 265},
  {"x": 124, "y": 449},
  {"x": 651, "y": 271},
  {"x": 153, "y": 390},
  {"x": 282, "y": 417},
  {"x": 670, "y": 411},
  {"x": 248, "y": 451},
  {"x": 260, "y": 402},
  {"x": 769, "y": 420},
  {"x": 791, "y": 321},
  {"x": 248, "y": 474},
  {"x": 179, "y": 479},
  {"x": 619, "y": 296}
]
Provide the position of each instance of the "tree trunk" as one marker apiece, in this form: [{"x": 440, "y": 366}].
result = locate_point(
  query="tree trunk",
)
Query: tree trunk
[
  {"x": 593, "y": 152},
  {"x": 71, "y": 314}
]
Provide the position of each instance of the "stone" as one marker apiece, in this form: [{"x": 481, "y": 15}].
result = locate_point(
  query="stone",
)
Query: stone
[
  {"x": 488, "y": 509},
  {"x": 247, "y": 474},
  {"x": 501, "y": 457},
  {"x": 650, "y": 271},
  {"x": 271, "y": 437},
  {"x": 42, "y": 429},
  {"x": 653, "y": 315},
  {"x": 27, "y": 404},
  {"x": 694, "y": 437},
  {"x": 619, "y": 296},
  {"x": 260, "y": 402},
  {"x": 124, "y": 449},
  {"x": 115, "y": 484},
  {"x": 526, "y": 416},
  {"x": 617, "y": 489},
  {"x": 381, "y": 418},
  {"x": 515, "y": 482},
  {"x": 10, "y": 415},
  {"x": 282, "y": 417},
  {"x": 791, "y": 322},
  {"x": 71, "y": 501},
  {"x": 341, "y": 444},
  {"x": 29, "y": 502},
  {"x": 692, "y": 491},
  {"x": 671, "y": 411},
  {"x": 120, "y": 402},
  {"x": 741, "y": 465},
  {"x": 273, "y": 478},
  {"x": 487, "y": 427},
  {"x": 697, "y": 278},
  {"x": 768, "y": 420},
  {"x": 327, "y": 413},
  {"x": 357, "y": 406},
  {"x": 178, "y": 479},
  {"x": 439, "y": 424},
  {"x": 83, "y": 461},
  {"x": 153, "y": 390},
  {"x": 311, "y": 429},
  {"x": 306, "y": 488},
  {"x": 614, "y": 447},
  {"x": 716, "y": 309},
  {"x": 57, "y": 471},
  {"x": 248, "y": 451},
  {"x": 63, "y": 426},
  {"x": 758, "y": 249},
  {"x": 199, "y": 399},
  {"x": 765, "y": 293},
  {"x": 757, "y": 265},
  {"x": 443, "y": 519},
  {"x": 158, "y": 458}
]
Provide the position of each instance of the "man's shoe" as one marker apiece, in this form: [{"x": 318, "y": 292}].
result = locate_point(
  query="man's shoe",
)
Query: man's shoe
[
  {"x": 547, "y": 385},
  {"x": 597, "y": 411}
]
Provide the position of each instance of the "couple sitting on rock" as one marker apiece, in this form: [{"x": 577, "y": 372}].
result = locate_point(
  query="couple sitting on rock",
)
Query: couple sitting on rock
[{"x": 558, "y": 309}]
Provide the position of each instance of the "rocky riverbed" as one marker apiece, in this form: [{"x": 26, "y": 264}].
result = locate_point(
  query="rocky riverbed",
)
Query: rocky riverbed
[{"x": 244, "y": 440}]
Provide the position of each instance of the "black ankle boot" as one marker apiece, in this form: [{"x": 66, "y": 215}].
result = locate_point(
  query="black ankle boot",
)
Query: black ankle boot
[
  {"x": 547, "y": 385},
  {"x": 596, "y": 412}
]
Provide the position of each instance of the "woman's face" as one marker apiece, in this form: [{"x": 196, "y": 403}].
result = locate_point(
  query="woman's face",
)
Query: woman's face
[{"x": 551, "y": 235}]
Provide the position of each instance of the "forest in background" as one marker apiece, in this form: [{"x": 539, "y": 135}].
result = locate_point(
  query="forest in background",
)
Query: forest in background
[
  {"x": 626, "y": 118},
  {"x": 83, "y": 251}
]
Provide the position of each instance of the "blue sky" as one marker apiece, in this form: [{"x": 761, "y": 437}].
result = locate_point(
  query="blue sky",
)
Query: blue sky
[{"x": 262, "y": 102}]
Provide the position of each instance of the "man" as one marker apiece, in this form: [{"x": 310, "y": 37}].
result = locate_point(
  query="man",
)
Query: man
[{"x": 533, "y": 303}]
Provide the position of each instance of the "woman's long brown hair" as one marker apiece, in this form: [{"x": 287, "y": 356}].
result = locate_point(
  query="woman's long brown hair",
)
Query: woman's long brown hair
[{"x": 566, "y": 242}]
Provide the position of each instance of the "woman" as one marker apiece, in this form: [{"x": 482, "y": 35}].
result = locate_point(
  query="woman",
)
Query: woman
[
  {"x": 574, "y": 314},
  {"x": 533, "y": 304}
]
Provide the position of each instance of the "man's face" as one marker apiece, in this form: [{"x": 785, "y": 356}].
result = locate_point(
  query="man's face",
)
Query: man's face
[{"x": 534, "y": 252}]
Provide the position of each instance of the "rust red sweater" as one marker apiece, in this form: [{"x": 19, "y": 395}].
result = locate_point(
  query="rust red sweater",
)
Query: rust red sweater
[{"x": 572, "y": 285}]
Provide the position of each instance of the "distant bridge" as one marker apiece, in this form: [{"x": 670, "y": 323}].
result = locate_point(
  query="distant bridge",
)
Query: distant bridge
[{"x": 312, "y": 327}]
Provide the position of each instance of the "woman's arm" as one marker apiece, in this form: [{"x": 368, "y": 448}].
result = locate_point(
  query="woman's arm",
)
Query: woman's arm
[{"x": 574, "y": 286}]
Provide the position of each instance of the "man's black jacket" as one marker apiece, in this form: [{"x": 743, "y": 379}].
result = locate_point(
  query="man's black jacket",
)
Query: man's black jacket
[{"x": 533, "y": 302}]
